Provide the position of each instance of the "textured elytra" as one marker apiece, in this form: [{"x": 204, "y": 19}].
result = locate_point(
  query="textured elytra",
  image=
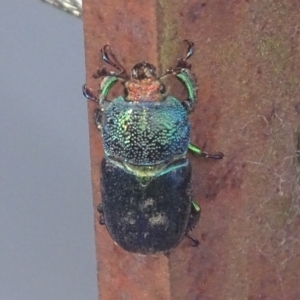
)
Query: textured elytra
[
  {"x": 145, "y": 133},
  {"x": 148, "y": 219}
]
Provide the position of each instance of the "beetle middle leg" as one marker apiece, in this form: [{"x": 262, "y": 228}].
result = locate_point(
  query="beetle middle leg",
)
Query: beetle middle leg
[
  {"x": 101, "y": 217},
  {"x": 193, "y": 220},
  {"x": 197, "y": 151},
  {"x": 98, "y": 118}
]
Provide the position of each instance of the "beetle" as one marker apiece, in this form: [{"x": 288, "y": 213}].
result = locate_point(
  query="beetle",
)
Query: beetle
[{"x": 147, "y": 205}]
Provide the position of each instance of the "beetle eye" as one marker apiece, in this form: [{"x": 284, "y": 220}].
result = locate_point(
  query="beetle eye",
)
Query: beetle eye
[{"x": 162, "y": 89}]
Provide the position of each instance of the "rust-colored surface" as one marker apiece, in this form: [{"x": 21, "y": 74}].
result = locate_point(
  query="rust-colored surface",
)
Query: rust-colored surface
[{"x": 247, "y": 62}]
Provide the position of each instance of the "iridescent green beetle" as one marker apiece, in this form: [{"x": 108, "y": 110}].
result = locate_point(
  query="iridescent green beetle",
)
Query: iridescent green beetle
[{"x": 146, "y": 177}]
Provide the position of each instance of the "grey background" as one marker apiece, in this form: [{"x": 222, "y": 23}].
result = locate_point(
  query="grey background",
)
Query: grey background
[{"x": 47, "y": 248}]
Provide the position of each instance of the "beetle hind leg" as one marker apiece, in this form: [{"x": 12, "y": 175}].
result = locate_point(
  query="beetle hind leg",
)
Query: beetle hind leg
[
  {"x": 194, "y": 216},
  {"x": 195, "y": 241},
  {"x": 101, "y": 217},
  {"x": 193, "y": 220}
]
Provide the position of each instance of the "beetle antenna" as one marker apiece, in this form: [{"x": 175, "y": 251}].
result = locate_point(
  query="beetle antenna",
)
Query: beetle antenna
[{"x": 110, "y": 58}]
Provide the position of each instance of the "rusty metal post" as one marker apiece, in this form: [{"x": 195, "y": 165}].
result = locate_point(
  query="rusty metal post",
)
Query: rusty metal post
[{"x": 247, "y": 62}]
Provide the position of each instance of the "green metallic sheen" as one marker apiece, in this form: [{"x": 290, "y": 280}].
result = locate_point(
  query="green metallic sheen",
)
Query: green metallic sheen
[
  {"x": 189, "y": 82},
  {"x": 194, "y": 149},
  {"x": 145, "y": 133},
  {"x": 106, "y": 85},
  {"x": 147, "y": 204},
  {"x": 196, "y": 206}
]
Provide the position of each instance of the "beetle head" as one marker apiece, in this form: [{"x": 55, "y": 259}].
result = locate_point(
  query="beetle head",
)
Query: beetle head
[{"x": 144, "y": 84}]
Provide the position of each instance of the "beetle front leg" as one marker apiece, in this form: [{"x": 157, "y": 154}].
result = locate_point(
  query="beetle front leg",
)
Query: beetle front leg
[
  {"x": 87, "y": 93},
  {"x": 101, "y": 217},
  {"x": 183, "y": 72},
  {"x": 103, "y": 73},
  {"x": 197, "y": 151},
  {"x": 182, "y": 63},
  {"x": 109, "y": 57},
  {"x": 110, "y": 77}
]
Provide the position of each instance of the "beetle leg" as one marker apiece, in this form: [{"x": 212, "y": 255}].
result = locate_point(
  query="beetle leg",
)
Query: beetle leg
[
  {"x": 189, "y": 82},
  {"x": 105, "y": 86},
  {"x": 194, "y": 216},
  {"x": 87, "y": 93},
  {"x": 182, "y": 63},
  {"x": 110, "y": 77},
  {"x": 111, "y": 59},
  {"x": 197, "y": 151},
  {"x": 98, "y": 118},
  {"x": 195, "y": 241},
  {"x": 101, "y": 217},
  {"x": 103, "y": 73},
  {"x": 183, "y": 72},
  {"x": 193, "y": 220}
]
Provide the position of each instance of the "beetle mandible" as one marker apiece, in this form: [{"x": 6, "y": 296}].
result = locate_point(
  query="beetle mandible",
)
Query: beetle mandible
[{"x": 147, "y": 205}]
